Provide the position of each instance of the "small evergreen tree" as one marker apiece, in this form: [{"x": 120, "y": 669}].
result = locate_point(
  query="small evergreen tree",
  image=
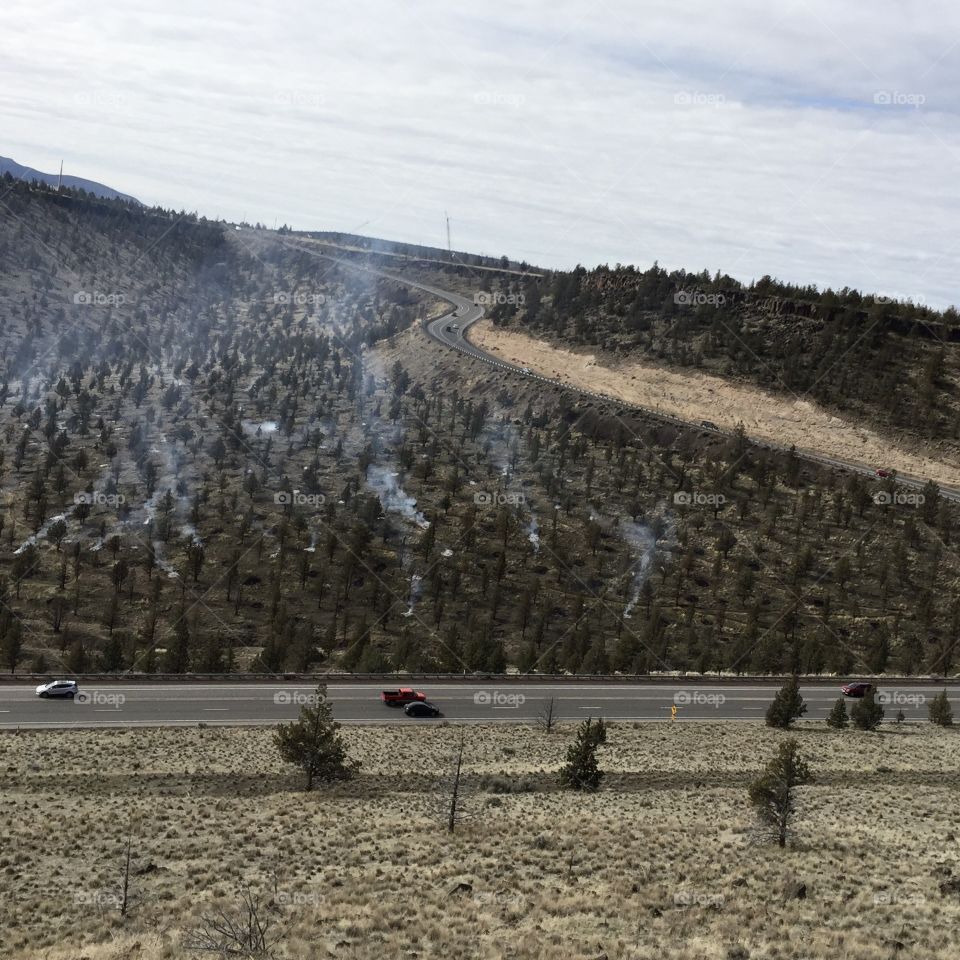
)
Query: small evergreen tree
[
  {"x": 941, "y": 713},
  {"x": 581, "y": 772},
  {"x": 772, "y": 793},
  {"x": 838, "y": 715},
  {"x": 867, "y": 714},
  {"x": 787, "y": 705},
  {"x": 313, "y": 742},
  {"x": 599, "y": 732}
]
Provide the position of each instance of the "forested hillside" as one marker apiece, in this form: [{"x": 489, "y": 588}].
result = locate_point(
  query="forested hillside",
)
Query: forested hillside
[{"x": 223, "y": 450}]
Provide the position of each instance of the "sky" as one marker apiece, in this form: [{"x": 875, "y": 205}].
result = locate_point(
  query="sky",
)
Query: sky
[{"x": 814, "y": 142}]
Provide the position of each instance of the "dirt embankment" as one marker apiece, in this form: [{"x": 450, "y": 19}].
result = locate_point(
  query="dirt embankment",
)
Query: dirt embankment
[{"x": 696, "y": 396}]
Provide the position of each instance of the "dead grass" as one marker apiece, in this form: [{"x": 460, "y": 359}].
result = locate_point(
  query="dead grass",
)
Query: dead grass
[
  {"x": 694, "y": 396},
  {"x": 657, "y": 864}
]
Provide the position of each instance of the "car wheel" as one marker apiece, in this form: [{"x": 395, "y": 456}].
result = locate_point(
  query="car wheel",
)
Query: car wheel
[{"x": 44, "y": 695}]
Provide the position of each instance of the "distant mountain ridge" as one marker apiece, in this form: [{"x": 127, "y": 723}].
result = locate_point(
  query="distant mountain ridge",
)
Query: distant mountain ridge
[{"x": 21, "y": 172}]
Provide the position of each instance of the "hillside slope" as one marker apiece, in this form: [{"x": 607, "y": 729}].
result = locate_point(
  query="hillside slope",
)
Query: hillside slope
[
  {"x": 888, "y": 365},
  {"x": 222, "y": 450}
]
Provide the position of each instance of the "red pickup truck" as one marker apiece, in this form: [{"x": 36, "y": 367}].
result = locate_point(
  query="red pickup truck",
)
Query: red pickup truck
[{"x": 402, "y": 696}]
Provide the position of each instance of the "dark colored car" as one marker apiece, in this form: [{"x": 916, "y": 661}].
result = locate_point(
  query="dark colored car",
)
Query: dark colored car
[
  {"x": 422, "y": 708},
  {"x": 883, "y": 474},
  {"x": 858, "y": 689}
]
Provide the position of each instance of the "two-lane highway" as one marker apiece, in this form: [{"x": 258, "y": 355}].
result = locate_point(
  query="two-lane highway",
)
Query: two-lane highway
[
  {"x": 136, "y": 704},
  {"x": 452, "y": 328}
]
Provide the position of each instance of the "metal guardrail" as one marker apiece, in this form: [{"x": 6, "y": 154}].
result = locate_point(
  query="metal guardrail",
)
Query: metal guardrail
[{"x": 498, "y": 678}]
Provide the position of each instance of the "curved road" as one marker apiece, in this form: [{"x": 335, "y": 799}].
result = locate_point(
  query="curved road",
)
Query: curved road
[
  {"x": 231, "y": 703},
  {"x": 451, "y": 330}
]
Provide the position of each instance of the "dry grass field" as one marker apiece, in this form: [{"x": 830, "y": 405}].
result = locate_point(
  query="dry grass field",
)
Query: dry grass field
[
  {"x": 658, "y": 864},
  {"x": 694, "y": 395}
]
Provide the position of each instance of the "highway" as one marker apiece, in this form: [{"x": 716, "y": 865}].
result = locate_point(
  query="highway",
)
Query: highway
[
  {"x": 229, "y": 703},
  {"x": 451, "y": 330}
]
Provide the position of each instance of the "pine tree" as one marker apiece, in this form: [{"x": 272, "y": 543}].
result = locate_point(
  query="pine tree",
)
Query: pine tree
[
  {"x": 76, "y": 661},
  {"x": 11, "y": 645},
  {"x": 581, "y": 772},
  {"x": 599, "y": 732},
  {"x": 177, "y": 657},
  {"x": 941, "y": 713},
  {"x": 772, "y": 793},
  {"x": 313, "y": 742},
  {"x": 787, "y": 705},
  {"x": 111, "y": 658},
  {"x": 838, "y": 716},
  {"x": 867, "y": 714}
]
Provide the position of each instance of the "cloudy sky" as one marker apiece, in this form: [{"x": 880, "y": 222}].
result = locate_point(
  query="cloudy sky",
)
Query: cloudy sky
[{"x": 811, "y": 142}]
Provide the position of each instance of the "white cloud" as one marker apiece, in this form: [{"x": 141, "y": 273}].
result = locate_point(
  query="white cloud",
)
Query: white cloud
[{"x": 733, "y": 136}]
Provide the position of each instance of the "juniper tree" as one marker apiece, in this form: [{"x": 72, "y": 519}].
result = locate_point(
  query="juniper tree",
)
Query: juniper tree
[
  {"x": 787, "y": 705},
  {"x": 838, "y": 715},
  {"x": 773, "y": 792},
  {"x": 11, "y": 640},
  {"x": 313, "y": 742},
  {"x": 581, "y": 771},
  {"x": 940, "y": 711},
  {"x": 867, "y": 714}
]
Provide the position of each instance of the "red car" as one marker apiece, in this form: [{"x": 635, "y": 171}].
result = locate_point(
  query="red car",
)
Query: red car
[
  {"x": 858, "y": 689},
  {"x": 883, "y": 474},
  {"x": 402, "y": 696}
]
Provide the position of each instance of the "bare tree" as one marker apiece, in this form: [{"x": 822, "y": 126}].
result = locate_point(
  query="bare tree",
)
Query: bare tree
[
  {"x": 125, "y": 889},
  {"x": 450, "y": 809},
  {"x": 546, "y": 718},
  {"x": 241, "y": 931}
]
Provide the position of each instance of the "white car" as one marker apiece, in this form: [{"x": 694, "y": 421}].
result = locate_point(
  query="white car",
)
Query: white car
[{"x": 57, "y": 688}]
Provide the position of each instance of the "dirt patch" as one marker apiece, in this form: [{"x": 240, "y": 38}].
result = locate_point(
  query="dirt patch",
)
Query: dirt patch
[{"x": 697, "y": 396}]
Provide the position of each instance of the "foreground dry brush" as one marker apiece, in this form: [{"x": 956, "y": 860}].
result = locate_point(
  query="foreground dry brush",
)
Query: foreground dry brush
[{"x": 657, "y": 863}]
